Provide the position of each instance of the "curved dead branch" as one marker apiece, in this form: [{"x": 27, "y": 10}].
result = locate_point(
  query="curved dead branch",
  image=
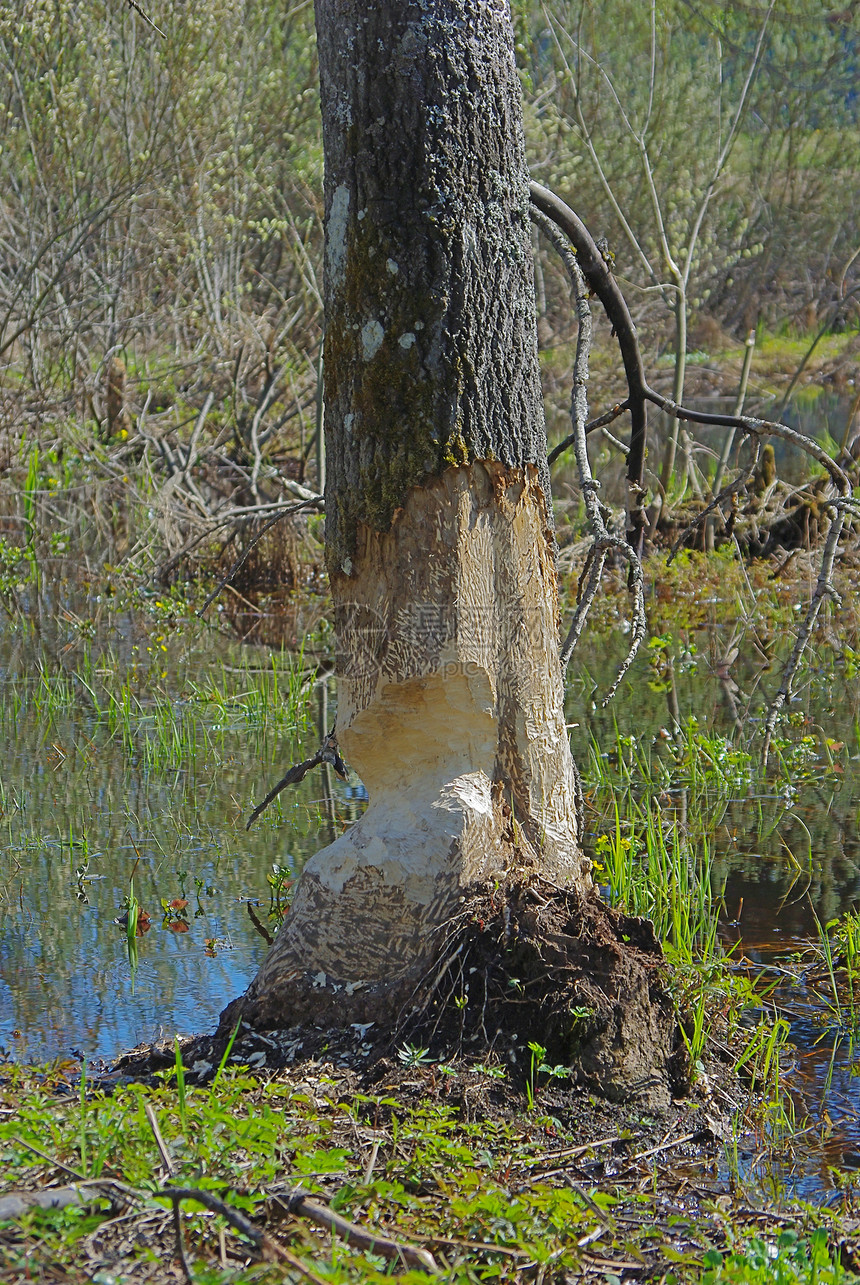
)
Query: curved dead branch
[
  {"x": 586, "y": 262},
  {"x": 824, "y": 588},
  {"x": 601, "y": 281},
  {"x": 761, "y": 427},
  {"x": 603, "y": 540}
]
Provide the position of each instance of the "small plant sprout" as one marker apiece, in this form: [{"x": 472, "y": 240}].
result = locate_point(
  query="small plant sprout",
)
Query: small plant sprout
[
  {"x": 180, "y": 1083},
  {"x": 495, "y": 1072},
  {"x": 133, "y": 907},
  {"x": 539, "y": 1066},
  {"x": 413, "y": 1055}
]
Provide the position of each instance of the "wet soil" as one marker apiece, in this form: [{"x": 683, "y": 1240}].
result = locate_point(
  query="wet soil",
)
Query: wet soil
[
  {"x": 570, "y": 1136},
  {"x": 522, "y": 965}
]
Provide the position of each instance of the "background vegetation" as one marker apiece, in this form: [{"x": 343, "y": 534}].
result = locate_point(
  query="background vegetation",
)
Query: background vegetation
[{"x": 161, "y": 224}]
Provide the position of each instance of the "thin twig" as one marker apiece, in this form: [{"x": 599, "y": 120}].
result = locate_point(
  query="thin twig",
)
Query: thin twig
[
  {"x": 132, "y": 4},
  {"x": 180, "y": 1245},
  {"x": 191, "y": 454},
  {"x": 52, "y": 1160},
  {"x": 600, "y": 422},
  {"x": 282, "y": 511},
  {"x": 667, "y": 1146},
  {"x": 166, "y": 1158},
  {"x": 359, "y": 1237},
  {"x": 368, "y": 1172},
  {"x": 262, "y": 1242},
  {"x": 764, "y": 427},
  {"x": 602, "y": 540},
  {"x": 823, "y": 588},
  {"x": 327, "y": 753}
]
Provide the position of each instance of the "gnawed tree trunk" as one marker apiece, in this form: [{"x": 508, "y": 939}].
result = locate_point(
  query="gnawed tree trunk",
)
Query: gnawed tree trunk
[{"x": 438, "y": 522}]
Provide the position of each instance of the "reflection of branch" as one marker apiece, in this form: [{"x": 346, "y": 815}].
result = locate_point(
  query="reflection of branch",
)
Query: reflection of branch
[
  {"x": 602, "y": 540},
  {"x": 258, "y": 924}
]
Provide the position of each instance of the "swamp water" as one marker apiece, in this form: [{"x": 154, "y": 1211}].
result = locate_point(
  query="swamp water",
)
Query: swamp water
[{"x": 133, "y": 747}]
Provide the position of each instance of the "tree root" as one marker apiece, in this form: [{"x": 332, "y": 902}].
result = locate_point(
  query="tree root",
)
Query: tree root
[{"x": 522, "y": 963}]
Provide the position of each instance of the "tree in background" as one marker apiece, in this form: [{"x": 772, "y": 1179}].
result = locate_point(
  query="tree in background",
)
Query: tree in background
[{"x": 701, "y": 139}]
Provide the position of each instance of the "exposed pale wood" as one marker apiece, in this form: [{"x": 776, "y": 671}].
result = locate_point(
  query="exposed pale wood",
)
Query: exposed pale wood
[{"x": 451, "y": 712}]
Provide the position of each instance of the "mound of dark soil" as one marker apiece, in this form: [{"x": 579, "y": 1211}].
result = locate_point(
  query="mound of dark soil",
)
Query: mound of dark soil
[{"x": 529, "y": 964}]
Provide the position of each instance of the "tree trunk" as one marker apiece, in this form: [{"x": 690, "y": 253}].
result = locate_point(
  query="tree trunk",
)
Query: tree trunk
[{"x": 438, "y": 520}]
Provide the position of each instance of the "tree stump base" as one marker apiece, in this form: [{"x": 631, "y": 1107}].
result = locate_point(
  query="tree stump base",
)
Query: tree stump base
[{"x": 518, "y": 964}]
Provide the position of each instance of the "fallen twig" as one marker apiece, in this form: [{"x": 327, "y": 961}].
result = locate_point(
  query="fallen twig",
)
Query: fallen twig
[
  {"x": 166, "y": 1158},
  {"x": 52, "y": 1160},
  {"x": 358, "y": 1237},
  {"x": 266, "y": 1245},
  {"x": 667, "y": 1146}
]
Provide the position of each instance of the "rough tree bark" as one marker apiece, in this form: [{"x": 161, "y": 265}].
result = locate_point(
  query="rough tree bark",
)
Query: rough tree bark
[{"x": 438, "y": 520}]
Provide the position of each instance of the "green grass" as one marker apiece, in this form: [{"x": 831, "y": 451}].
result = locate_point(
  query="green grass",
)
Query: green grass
[
  {"x": 786, "y": 1259},
  {"x": 489, "y": 1199}
]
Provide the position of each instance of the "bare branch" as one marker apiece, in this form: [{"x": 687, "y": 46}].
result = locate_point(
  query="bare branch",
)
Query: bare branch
[
  {"x": 265, "y": 1244},
  {"x": 361, "y": 1238},
  {"x": 763, "y": 427},
  {"x": 588, "y": 264},
  {"x": 603, "y": 540},
  {"x": 601, "y": 421},
  {"x": 132, "y": 4},
  {"x": 824, "y": 588},
  {"x": 327, "y": 753},
  {"x": 604, "y": 285}
]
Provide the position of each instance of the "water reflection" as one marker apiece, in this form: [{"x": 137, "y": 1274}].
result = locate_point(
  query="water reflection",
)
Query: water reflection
[
  {"x": 85, "y": 795},
  {"x": 91, "y": 785}
]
